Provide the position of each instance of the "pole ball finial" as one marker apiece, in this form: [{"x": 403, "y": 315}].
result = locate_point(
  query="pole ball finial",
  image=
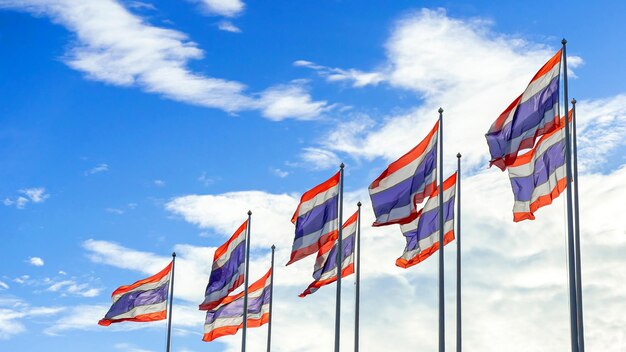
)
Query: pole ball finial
[
  {"x": 573, "y": 101},
  {"x": 458, "y": 155},
  {"x": 249, "y": 212},
  {"x": 358, "y": 204},
  {"x": 563, "y": 41},
  {"x": 174, "y": 254},
  {"x": 440, "y": 110}
]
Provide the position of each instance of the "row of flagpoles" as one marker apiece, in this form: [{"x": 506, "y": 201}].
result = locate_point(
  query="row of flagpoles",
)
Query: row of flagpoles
[{"x": 537, "y": 177}]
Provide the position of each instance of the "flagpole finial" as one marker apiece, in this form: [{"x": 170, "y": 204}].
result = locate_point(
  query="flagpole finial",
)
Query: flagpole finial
[
  {"x": 341, "y": 166},
  {"x": 458, "y": 155},
  {"x": 573, "y": 101},
  {"x": 440, "y": 110},
  {"x": 174, "y": 254},
  {"x": 273, "y": 247},
  {"x": 564, "y": 41},
  {"x": 249, "y": 212},
  {"x": 358, "y": 204}
]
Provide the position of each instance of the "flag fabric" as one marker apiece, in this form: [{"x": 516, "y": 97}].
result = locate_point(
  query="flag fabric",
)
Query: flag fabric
[
  {"x": 227, "y": 318},
  {"x": 325, "y": 270},
  {"x": 539, "y": 176},
  {"x": 143, "y": 301},
  {"x": 315, "y": 218},
  {"x": 422, "y": 233},
  {"x": 228, "y": 269},
  {"x": 532, "y": 114},
  {"x": 406, "y": 182}
]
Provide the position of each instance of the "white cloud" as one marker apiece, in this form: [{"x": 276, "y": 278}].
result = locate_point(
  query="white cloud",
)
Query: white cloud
[
  {"x": 22, "y": 279},
  {"x": 114, "y": 211},
  {"x": 71, "y": 287},
  {"x": 159, "y": 183},
  {"x": 332, "y": 74},
  {"x": 3, "y": 285},
  {"x": 97, "y": 169},
  {"x": 14, "y": 312},
  {"x": 291, "y": 100},
  {"x": 228, "y": 26},
  {"x": 36, "y": 194},
  {"x": 36, "y": 261},
  {"x": 278, "y": 172},
  {"x": 120, "y": 48},
  {"x": 227, "y": 8},
  {"x": 319, "y": 159}
]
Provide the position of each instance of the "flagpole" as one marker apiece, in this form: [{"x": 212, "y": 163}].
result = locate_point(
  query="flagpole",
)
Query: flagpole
[
  {"x": 169, "y": 315},
  {"x": 358, "y": 279},
  {"x": 442, "y": 324},
  {"x": 269, "y": 322},
  {"x": 579, "y": 290},
  {"x": 245, "y": 287},
  {"x": 458, "y": 257},
  {"x": 339, "y": 260},
  {"x": 570, "y": 222}
]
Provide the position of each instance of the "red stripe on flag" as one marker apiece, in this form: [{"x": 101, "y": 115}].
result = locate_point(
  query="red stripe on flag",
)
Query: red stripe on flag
[
  {"x": 143, "y": 318},
  {"x": 310, "y": 194},
  {"x": 154, "y": 278},
  {"x": 423, "y": 255},
  {"x": 232, "y": 330}
]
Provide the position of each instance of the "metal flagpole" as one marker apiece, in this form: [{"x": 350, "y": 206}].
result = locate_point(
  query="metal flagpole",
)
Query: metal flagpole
[
  {"x": 245, "y": 287},
  {"x": 269, "y": 322},
  {"x": 358, "y": 279},
  {"x": 570, "y": 221},
  {"x": 458, "y": 256},
  {"x": 442, "y": 323},
  {"x": 579, "y": 289},
  {"x": 339, "y": 260},
  {"x": 169, "y": 314}
]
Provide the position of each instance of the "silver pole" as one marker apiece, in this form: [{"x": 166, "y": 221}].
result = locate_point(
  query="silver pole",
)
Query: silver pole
[
  {"x": 579, "y": 289},
  {"x": 169, "y": 314},
  {"x": 358, "y": 278},
  {"x": 442, "y": 322},
  {"x": 245, "y": 287},
  {"x": 269, "y": 323},
  {"x": 459, "y": 339},
  {"x": 570, "y": 221},
  {"x": 339, "y": 260}
]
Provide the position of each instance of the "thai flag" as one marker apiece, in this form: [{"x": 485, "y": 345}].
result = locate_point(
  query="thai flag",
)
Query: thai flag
[
  {"x": 227, "y": 318},
  {"x": 405, "y": 183},
  {"x": 539, "y": 176},
  {"x": 422, "y": 233},
  {"x": 143, "y": 301},
  {"x": 228, "y": 268},
  {"x": 325, "y": 270},
  {"x": 532, "y": 114},
  {"x": 315, "y": 218}
]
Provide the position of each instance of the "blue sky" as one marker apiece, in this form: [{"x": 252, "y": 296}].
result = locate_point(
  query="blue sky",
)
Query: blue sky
[{"x": 130, "y": 129}]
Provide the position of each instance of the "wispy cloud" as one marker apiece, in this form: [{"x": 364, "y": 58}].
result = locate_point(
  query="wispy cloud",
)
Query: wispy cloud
[
  {"x": 14, "y": 312},
  {"x": 332, "y": 74},
  {"x": 159, "y": 183},
  {"x": 227, "y": 8},
  {"x": 97, "y": 169},
  {"x": 36, "y": 261},
  {"x": 319, "y": 159},
  {"x": 114, "y": 211},
  {"x": 35, "y": 195},
  {"x": 71, "y": 287},
  {"x": 120, "y": 48},
  {"x": 278, "y": 172},
  {"x": 228, "y": 26}
]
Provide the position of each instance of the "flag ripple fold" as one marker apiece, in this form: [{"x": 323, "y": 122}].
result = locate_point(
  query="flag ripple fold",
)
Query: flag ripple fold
[
  {"x": 422, "y": 232},
  {"x": 534, "y": 113},
  {"x": 227, "y": 318},
  {"x": 539, "y": 176},
  {"x": 315, "y": 218},
  {"x": 325, "y": 270},
  {"x": 143, "y": 301},
  {"x": 405, "y": 183},
  {"x": 228, "y": 269}
]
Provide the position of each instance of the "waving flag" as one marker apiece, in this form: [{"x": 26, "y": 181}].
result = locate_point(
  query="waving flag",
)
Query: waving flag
[
  {"x": 422, "y": 233},
  {"x": 143, "y": 301},
  {"x": 325, "y": 270},
  {"x": 315, "y": 218},
  {"x": 532, "y": 114},
  {"x": 406, "y": 182},
  {"x": 227, "y": 318},
  {"x": 539, "y": 176},
  {"x": 228, "y": 268}
]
